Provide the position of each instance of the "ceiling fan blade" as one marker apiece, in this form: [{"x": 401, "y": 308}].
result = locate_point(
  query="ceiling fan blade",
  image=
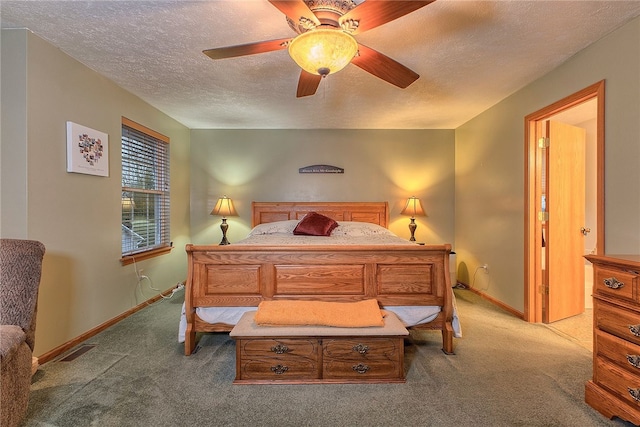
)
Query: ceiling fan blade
[
  {"x": 371, "y": 14},
  {"x": 384, "y": 67},
  {"x": 246, "y": 49},
  {"x": 308, "y": 84},
  {"x": 295, "y": 10}
]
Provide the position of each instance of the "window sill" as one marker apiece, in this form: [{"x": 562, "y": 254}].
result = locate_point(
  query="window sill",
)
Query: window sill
[{"x": 141, "y": 256}]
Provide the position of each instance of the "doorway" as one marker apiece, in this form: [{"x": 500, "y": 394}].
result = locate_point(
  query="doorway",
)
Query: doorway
[{"x": 543, "y": 295}]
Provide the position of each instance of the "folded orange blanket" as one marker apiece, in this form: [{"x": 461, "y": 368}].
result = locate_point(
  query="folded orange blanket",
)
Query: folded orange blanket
[{"x": 319, "y": 313}]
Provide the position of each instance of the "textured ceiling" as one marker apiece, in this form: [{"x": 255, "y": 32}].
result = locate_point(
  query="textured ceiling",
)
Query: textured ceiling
[{"x": 469, "y": 54}]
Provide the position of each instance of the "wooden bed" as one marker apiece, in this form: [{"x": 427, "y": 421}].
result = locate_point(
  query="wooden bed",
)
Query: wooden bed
[{"x": 239, "y": 275}]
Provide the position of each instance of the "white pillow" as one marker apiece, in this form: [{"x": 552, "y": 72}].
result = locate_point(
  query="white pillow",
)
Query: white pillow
[
  {"x": 274, "y": 227},
  {"x": 358, "y": 229}
]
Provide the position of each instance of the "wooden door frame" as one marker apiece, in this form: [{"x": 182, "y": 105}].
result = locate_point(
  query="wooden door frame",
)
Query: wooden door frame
[{"x": 532, "y": 170}]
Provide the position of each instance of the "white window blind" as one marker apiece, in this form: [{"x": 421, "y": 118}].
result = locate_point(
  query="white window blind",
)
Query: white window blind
[{"x": 145, "y": 190}]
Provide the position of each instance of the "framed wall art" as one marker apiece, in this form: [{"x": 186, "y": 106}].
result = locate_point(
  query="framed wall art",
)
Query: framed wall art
[{"x": 87, "y": 150}]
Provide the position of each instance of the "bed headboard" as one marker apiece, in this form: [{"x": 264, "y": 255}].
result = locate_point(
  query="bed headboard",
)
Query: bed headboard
[{"x": 374, "y": 212}]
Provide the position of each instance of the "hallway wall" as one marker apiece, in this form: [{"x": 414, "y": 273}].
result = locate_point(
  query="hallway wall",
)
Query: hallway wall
[{"x": 490, "y": 163}]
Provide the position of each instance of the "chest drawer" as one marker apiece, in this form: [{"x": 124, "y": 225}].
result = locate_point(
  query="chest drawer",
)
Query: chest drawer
[
  {"x": 616, "y": 282},
  {"x": 362, "y": 370},
  {"x": 618, "y": 351},
  {"x": 278, "y": 369},
  {"x": 362, "y": 349},
  {"x": 618, "y": 321},
  {"x": 305, "y": 348},
  {"x": 622, "y": 383}
]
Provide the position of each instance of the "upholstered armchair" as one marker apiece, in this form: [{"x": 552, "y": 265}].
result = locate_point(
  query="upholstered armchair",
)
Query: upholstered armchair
[{"x": 20, "y": 270}]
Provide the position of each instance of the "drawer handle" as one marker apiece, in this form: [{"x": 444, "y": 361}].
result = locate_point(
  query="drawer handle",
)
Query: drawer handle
[
  {"x": 635, "y": 330},
  {"x": 279, "y": 369},
  {"x": 635, "y": 393},
  {"x": 360, "y": 368},
  {"x": 613, "y": 283},
  {"x": 634, "y": 360},
  {"x": 280, "y": 349},
  {"x": 361, "y": 348}
]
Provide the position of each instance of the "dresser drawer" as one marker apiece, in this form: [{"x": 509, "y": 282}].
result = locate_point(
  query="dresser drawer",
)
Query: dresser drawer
[
  {"x": 618, "y": 351},
  {"x": 617, "y": 321},
  {"x": 362, "y": 349},
  {"x": 616, "y": 282},
  {"x": 619, "y": 381}
]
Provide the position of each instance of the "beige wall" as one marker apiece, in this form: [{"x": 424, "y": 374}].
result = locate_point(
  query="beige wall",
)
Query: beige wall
[
  {"x": 77, "y": 216},
  {"x": 380, "y": 165},
  {"x": 490, "y": 164}
]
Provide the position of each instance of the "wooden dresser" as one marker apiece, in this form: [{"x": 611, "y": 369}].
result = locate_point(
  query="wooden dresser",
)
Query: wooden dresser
[
  {"x": 306, "y": 354},
  {"x": 615, "y": 388}
]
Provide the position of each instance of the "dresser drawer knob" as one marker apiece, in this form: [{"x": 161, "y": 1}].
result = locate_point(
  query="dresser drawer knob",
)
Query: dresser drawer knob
[
  {"x": 613, "y": 283},
  {"x": 634, "y": 360},
  {"x": 280, "y": 349},
  {"x": 361, "y": 348},
  {"x": 360, "y": 368},
  {"x": 279, "y": 369},
  {"x": 634, "y": 393},
  {"x": 635, "y": 330}
]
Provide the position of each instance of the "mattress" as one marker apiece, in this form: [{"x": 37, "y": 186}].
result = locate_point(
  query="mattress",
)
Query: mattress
[{"x": 408, "y": 315}]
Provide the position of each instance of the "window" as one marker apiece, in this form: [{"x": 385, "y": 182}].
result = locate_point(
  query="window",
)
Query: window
[{"x": 145, "y": 192}]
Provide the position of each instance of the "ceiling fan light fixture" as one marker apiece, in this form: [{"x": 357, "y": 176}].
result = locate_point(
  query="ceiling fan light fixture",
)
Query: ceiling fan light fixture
[{"x": 323, "y": 51}]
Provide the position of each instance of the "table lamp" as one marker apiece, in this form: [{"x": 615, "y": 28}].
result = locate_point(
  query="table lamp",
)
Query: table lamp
[
  {"x": 224, "y": 207},
  {"x": 413, "y": 208}
]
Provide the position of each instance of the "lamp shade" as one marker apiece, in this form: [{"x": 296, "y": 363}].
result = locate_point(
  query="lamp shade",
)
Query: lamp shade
[
  {"x": 413, "y": 207},
  {"x": 224, "y": 207},
  {"x": 323, "y": 51}
]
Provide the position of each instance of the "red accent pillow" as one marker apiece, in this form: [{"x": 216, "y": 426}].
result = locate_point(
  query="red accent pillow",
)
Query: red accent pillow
[{"x": 314, "y": 224}]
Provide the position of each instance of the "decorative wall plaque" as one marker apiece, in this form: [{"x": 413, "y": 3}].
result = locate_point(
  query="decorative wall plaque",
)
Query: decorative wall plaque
[{"x": 321, "y": 169}]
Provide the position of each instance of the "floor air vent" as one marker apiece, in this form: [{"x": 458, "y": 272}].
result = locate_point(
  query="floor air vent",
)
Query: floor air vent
[{"x": 77, "y": 353}]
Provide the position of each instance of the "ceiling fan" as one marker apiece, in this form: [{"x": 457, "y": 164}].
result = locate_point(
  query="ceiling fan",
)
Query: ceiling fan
[{"x": 325, "y": 42}]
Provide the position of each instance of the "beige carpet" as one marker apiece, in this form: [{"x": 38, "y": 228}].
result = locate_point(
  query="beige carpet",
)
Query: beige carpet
[
  {"x": 505, "y": 373},
  {"x": 576, "y": 328}
]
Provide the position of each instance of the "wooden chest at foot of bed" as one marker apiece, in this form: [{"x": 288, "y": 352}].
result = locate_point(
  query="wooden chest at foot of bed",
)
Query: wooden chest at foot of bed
[{"x": 305, "y": 354}]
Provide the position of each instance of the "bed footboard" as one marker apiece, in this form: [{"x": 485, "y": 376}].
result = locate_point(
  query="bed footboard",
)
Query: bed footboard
[{"x": 244, "y": 275}]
